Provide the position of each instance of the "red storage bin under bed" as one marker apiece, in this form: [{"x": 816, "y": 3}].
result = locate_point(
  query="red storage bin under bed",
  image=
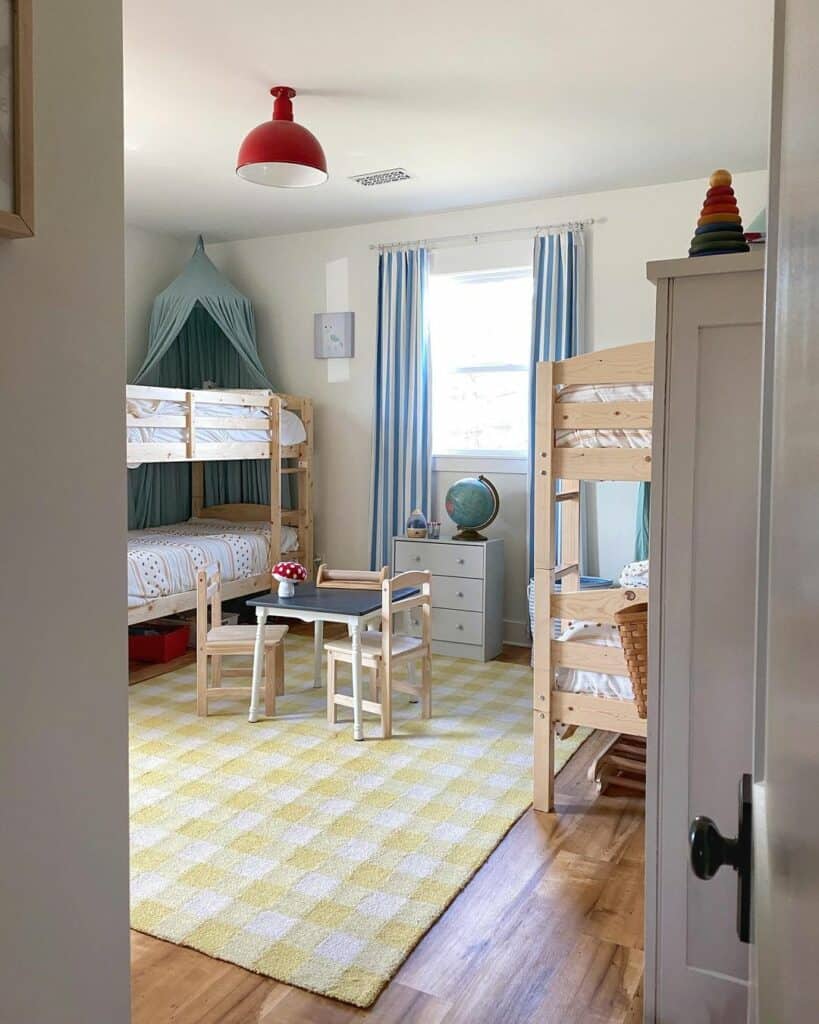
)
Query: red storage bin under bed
[{"x": 157, "y": 641}]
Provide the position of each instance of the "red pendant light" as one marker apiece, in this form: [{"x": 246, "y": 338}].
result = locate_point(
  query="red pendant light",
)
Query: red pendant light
[{"x": 280, "y": 152}]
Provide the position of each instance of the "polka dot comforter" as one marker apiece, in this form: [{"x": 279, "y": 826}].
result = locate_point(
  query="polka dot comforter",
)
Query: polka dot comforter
[{"x": 164, "y": 560}]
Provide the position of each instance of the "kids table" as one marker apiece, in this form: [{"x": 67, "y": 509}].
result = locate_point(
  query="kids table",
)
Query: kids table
[{"x": 319, "y": 605}]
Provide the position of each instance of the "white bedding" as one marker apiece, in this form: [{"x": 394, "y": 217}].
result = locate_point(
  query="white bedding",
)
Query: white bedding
[
  {"x": 164, "y": 560},
  {"x": 605, "y": 438},
  {"x": 291, "y": 427},
  {"x": 575, "y": 680},
  {"x": 635, "y": 574}
]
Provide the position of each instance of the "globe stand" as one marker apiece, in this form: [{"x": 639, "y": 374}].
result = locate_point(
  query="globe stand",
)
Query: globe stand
[{"x": 468, "y": 535}]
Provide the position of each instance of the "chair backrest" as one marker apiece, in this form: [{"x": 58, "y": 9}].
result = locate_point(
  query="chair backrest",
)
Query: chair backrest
[
  {"x": 391, "y": 606},
  {"x": 208, "y": 592}
]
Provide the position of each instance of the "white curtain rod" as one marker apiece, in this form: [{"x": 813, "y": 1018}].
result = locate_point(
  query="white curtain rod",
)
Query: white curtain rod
[{"x": 479, "y": 237}]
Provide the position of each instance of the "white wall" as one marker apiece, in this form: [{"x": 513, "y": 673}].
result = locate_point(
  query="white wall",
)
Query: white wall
[
  {"x": 152, "y": 261},
  {"x": 63, "y": 735},
  {"x": 285, "y": 278}
]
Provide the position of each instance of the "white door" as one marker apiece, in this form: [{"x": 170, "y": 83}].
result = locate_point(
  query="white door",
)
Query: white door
[
  {"x": 785, "y": 978},
  {"x": 704, "y": 527}
]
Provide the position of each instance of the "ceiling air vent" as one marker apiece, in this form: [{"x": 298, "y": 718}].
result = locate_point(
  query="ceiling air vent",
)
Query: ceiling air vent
[{"x": 381, "y": 177}]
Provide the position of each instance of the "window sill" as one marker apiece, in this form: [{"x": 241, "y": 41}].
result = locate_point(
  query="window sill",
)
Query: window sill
[{"x": 479, "y": 462}]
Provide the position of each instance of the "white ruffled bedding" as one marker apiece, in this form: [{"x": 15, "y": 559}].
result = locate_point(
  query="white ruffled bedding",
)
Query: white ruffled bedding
[
  {"x": 576, "y": 680},
  {"x": 604, "y": 438},
  {"x": 635, "y": 574},
  {"x": 164, "y": 560},
  {"x": 291, "y": 427}
]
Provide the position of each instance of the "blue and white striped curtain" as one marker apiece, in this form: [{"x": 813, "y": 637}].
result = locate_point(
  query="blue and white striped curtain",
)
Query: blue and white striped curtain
[
  {"x": 402, "y": 428},
  {"x": 558, "y": 313}
]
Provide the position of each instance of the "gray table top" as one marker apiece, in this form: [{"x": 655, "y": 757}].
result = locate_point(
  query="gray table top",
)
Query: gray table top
[{"x": 336, "y": 601}]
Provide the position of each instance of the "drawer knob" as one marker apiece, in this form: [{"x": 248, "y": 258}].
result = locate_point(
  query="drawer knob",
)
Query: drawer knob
[
  {"x": 459, "y": 626},
  {"x": 417, "y": 558},
  {"x": 460, "y": 561},
  {"x": 460, "y": 593}
]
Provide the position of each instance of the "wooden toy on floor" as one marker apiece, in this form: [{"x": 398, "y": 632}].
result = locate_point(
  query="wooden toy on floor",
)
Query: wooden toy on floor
[
  {"x": 350, "y": 579},
  {"x": 622, "y": 765}
]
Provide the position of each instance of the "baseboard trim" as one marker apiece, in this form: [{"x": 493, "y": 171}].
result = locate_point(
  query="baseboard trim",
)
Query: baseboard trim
[{"x": 516, "y": 633}]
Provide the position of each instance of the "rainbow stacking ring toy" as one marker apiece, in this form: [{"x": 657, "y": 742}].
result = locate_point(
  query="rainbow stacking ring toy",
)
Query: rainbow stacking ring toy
[{"x": 719, "y": 229}]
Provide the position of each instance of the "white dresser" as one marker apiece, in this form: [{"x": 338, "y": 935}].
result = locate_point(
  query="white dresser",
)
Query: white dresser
[{"x": 467, "y": 593}]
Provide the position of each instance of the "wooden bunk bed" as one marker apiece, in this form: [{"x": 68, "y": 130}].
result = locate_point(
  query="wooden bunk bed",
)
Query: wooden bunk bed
[
  {"x": 593, "y": 422},
  {"x": 247, "y": 425},
  {"x": 297, "y": 464}
]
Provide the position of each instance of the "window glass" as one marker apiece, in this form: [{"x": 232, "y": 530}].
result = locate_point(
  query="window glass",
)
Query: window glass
[{"x": 480, "y": 333}]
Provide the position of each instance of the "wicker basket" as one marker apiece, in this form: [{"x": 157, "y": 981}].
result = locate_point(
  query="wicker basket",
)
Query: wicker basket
[{"x": 633, "y": 626}]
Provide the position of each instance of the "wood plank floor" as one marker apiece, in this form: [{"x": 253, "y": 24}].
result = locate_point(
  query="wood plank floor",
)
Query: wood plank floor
[{"x": 550, "y": 930}]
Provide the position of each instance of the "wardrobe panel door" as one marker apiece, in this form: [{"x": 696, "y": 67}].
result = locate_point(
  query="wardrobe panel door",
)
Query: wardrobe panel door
[{"x": 703, "y": 574}]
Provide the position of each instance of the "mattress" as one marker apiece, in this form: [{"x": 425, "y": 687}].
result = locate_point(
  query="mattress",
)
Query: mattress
[
  {"x": 291, "y": 428},
  {"x": 164, "y": 560},
  {"x": 604, "y": 438},
  {"x": 600, "y": 684}
]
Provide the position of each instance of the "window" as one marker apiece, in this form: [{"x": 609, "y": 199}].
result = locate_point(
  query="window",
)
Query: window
[{"x": 480, "y": 335}]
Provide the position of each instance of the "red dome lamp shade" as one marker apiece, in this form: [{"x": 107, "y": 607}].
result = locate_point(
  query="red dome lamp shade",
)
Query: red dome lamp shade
[{"x": 280, "y": 152}]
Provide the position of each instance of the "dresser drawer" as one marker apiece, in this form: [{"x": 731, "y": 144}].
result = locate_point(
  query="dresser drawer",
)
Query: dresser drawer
[
  {"x": 464, "y": 594},
  {"x": 454, "y": 626},
  {"x": 440, "y": 559}
]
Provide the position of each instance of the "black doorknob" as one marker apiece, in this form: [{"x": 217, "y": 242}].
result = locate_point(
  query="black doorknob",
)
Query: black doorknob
[{"x": 710, "y": 849}]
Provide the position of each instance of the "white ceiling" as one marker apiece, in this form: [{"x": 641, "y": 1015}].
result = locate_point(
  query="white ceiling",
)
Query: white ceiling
[{"x": 482, "y": 101}]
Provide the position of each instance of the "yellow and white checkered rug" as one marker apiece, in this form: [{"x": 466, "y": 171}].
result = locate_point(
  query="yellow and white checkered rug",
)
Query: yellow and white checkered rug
[{"x": 289, "y": 849}]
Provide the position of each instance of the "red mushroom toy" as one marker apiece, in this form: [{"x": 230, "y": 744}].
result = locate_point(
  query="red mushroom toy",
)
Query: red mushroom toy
[{"x": 289, "y": 574}]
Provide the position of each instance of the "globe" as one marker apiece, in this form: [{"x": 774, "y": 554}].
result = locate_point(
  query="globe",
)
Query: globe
[{"x": 472, "y": 504}]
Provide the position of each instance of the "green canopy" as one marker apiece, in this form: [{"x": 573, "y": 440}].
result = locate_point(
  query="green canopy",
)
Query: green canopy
[{"x": 202, "y": 332}]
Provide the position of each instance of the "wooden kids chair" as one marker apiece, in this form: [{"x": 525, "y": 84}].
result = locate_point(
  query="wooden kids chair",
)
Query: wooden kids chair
[
  {"x": 218, "y": 641},
  {"x": 382, "y": 653}
]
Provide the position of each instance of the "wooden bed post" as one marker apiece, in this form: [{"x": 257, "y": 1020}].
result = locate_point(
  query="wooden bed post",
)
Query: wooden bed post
[
  {"x": 274, "y": 411},
  {"x": 568, "y": 558},
  {"x": 305, "y": 488},
  {"x": 190, "y": 414},
  {"x": 544, "y": 562},
  {"x": 197, "y": 488}
]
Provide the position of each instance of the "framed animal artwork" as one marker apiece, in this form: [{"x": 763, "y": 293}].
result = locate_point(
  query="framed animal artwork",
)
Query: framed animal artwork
[
  {"x": 16, "y": 121},
  {"x": 334, "y": 335}
]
